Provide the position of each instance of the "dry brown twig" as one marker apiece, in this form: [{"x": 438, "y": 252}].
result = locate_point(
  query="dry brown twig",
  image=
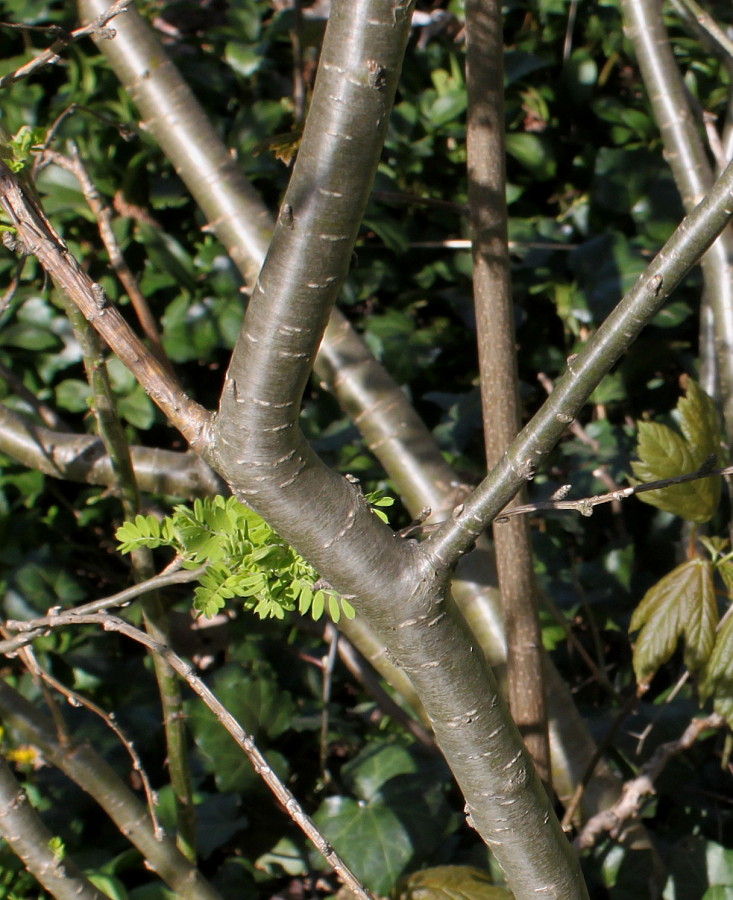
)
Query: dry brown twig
[
  {"x": 36, "y": 236},
  {"x": 28, "y": 658},
  {"x": 637, "y": 789},
  {"x": 31, "y": 629},
  {"x": 243, "y": 740},
  {"x": 51, "y": 55},
  {"x": 103, "y": 214}
]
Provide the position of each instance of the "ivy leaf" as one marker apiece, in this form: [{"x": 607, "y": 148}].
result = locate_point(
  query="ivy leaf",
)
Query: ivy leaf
[
  {"x": 371, "y": 838},
  {"x": 682, "y": 604},
  {"x": 663, "y": 453}
]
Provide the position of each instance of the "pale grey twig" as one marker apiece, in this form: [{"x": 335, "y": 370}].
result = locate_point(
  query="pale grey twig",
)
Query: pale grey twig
[
  {"x": 634, "y": 791},
  {"x": 586, "y": 505},
  {"x": 33, "y": 628},
  {"x": 243, "y": 740},
  {"x": 75, "y": 699},
  {"x": 51, "y": 55}
]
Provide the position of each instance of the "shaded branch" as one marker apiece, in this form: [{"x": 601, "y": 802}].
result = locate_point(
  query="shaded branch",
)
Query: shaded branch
[
  {"x": 586, "y": 369},
  {"x": 639, "y": 788},
  {"x": 37, "y": 237},
  {"x": 243, "y": 740},
  {"x": 51, "y": 55},
  {"x": 21, "y": 828},
  {"x": 82, "y": 458},
  {"x": 499, "y": 379},
  {"x": 31, "y": 629},
  {"x": 93, "y": 774},
  {"x": 694, "y": 177}
]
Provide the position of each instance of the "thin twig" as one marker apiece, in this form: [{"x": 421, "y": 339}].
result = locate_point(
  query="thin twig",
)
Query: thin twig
[
  {"x": 637, "y": 789},
  {"x": 103, "y": 214},
  {"x": 597, "y": 756},
  {"x": 34, "y": 628},
  {"x": 51, "y": 55},
  {"x": 75, "y": 699},
  {"x": 9, "y": 293},
  {"x": 586, "y": 505},
  {"x": 243, "y": 740},
  {"x": 36, "y": 235},
  {"x": 46, "y": 413},
  {"x": 705, "y": 27},
  {"x": 331, "y": 635},
  {"x": 601, "y": 473},
  {"x": 363, "y": 672},
  {"x": 571, "y": 638}
]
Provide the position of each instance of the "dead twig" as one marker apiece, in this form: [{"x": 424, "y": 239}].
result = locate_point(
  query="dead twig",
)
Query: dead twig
[
  {"x": 44, "y": 678},
  {"x": 634, "y": 792},
  {"x": 63, "y": 40},
  {"x": 36, "y": 236},
  {"x": 29, "y": 630},
  {"x": 103, "y": 214},
  {"x": 243, "y": 740}
]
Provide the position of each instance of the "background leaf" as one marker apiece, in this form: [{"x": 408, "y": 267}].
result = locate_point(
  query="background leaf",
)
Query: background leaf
[
  {"x": 664, "y": 454},
  {"x": 682, "y": 604}
]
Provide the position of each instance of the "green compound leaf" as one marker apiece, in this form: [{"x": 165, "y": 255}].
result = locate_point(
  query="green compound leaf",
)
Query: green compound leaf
[
  {"x": 663, "y": 453},
  {"x": 450, "y": 883},
  {"x": 145, "y": 531},
  {"x": 682, "y": 604},
  {"x": 246, "y": 558}
]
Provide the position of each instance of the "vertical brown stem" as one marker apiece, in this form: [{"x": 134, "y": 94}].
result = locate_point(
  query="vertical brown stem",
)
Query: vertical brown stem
[{"x": 497, "y": 363}]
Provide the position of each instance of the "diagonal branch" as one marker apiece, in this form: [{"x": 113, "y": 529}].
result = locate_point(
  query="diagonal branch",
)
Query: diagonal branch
[
  {"x": 93, "y": 774},
  {"x": 24, "y": 832},
  {"x": 586, "y": 369},
  {"x": 244, "y": 740},
  {"x": 51, "y": 55},
  {"x": 36, "y": 236},
  {"x": 693, "y": 176}
]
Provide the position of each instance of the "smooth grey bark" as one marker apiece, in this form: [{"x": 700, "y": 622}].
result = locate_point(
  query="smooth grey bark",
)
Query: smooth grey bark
[
  {"x": 388, "y": 423},
  {"x": 693, "y": 175},
  {"x": 257, "y": 445},
  {"x": 94, "y": 775},
  {"x": 690, "y": 240},
  {"x": 259, "y": 448},
  {"x": 23, "y": 831},
  {"x": 82, "y": 457}
]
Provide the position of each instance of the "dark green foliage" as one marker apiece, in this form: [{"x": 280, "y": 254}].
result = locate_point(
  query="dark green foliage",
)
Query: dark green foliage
[{"x": 590, "y": 199}]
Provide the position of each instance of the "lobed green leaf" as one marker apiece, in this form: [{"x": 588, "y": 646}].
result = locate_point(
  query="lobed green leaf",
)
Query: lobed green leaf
[
  {"x": 663, "y": 453},
  {"x": 682, "y": 604}
]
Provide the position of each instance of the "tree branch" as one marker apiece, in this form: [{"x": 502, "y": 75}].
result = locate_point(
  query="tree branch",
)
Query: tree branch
[
  {"x": 81, "y": 457},
  {"x": 244, "y": 740},
  {"x": 21, "y": 828},
  {"x": 492, "y": 293},
  {"x": 586, "y": 369},
  {"x": 694, "y": 177},
  {"x": 93, "y": 774},
  {"x": 37, "y": 236},
  {"x": 50, "y": 56},
  {"x": 638, "y": 788}
]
